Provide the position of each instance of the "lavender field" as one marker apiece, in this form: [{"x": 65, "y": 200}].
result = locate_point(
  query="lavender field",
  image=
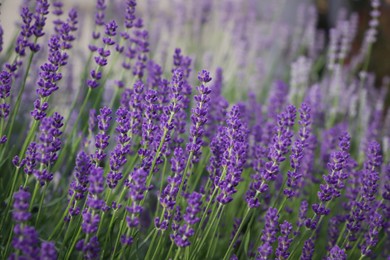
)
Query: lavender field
[{"x": 191, "y": 130}]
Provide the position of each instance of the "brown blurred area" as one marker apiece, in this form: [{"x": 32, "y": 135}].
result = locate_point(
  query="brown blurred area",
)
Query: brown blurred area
[{"x": 380, "y": 55}]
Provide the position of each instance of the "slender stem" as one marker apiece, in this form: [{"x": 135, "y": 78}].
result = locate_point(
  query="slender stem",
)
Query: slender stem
[
  {"x": 9, "y": 241},
  {"x": 118, "y": 237},
  {"x": 215, "y": 228},
  {"x": 151, "y": 244},
  {"x": 70, "y": 250},
  {"x": 177, "y": 253},
  {"x": 61, "y": 221},
  {"x": 34, "y": 195},
  {"x": 211, "y": 226},
  {"x": 237, "y": 234},
  {"x": 19, "y": 97},
  {"x": 41, "y": 204},
  {"x": 170, "y": 251}
]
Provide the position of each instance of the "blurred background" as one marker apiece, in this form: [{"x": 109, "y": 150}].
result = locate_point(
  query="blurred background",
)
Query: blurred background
[{"x": 230, "y": 40}]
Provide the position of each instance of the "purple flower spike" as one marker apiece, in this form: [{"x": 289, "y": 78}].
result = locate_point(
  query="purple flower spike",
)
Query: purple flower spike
[
  {"x": 184, "y": 232},
  {"x": 21, "y": 205},
  {"x": 25, "y": 242},
  {"x": 199, "y": 117},
  {"x": 136, "y": 183},
  {"x": 279, "y": 148},
  {"x": 96, "y": 181},
  {"x": 284, "y": 241},
  {"x": 369, "y": 188},
  {"x": 41, "y": 11},
  {"x": 235, "y": 139},
  {"x": 101, "y": 139},
  {"x": 101, "y": 59},
  {"x": 169, "y": 193},
  {"x": 337, "y": 254},
  {"x": 298, "y": 152},
  {"x": 5, "y": 90},
  {"x": 48, "y": 251},
  {"x": 81, "y": 172},
  {"x": 307, "y": 250},
  {"x": 371, "y": 237},
  {"x": 89, "y": 248},
  {"x": 269, "y": 234},
  {"x": 337, "y": 175}
]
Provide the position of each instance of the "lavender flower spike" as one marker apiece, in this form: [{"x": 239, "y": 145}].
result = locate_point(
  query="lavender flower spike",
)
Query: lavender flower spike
[
  {"x": 199, "y": 117},
  {"x": 269, "y": 234},
  {"x": 284, "y": 241},
  {"x": 337, "y": 254}
]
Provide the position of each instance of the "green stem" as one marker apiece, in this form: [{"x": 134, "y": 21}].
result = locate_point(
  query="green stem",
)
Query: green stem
[
  {"x": 118, "y": 237},
  {"x": 158, "y": 247},
  {"x": 34, "y": 195},
  {"x": 215, "y": 228},
  {"x": 170, "y": 251},
  {"x": 41, "y": 204},
  {"x": 151, "y": 244},
  {"x": 208, "y": 229},
  {"x": 61, "y": 221},
  {"x": 19, "y": 97},
  {"x": 177, "y": 253},
  {"x": 236, "y": 235},
  {"x": 70, "y": 250}
]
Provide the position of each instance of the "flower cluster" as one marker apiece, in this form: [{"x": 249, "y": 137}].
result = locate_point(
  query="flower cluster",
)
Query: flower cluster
[{"x": 281, "y": 151}]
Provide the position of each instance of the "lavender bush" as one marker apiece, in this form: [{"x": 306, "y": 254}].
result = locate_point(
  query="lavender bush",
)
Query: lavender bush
[{"x": 228, "y": 133}]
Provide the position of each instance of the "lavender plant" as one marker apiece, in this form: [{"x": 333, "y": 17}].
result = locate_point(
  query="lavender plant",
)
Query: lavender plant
[{"x": 111, "y": 147}]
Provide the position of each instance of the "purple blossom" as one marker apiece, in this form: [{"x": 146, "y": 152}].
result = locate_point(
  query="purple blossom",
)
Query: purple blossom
[
  {"x": 337, "y": 254},
  {"x": 234, "y": 156},
  {"x": 277, "y": 99},
  {"x": 103, "y": 53},
  {"x": 279, "y": 148},
  {"x": 25, "y": 242},
  {"x": 298, "y": 152},
  {"x": 5, "y": 90},
  {"x": 141, "y": 41},
  {"x": 169, "y": 193},
  {"x": 79, "y": 184},
  {"x": 101, "y": 139},
  {"x": 185, "y": 231},
  {"x": 307, "y": 250},
  {"x": 89, "y": 248},
  {"x": 132, "y": 100},
  {"x": 368, "y": 190},
  {"x": 96, "y": 181},
  {"x": 284, "y": 241},
  {"x": 336, "y": 177},
  {"x": 371, "y": 237},
  {"x": 48, "y": 251},
  {"x": 21, "y": 205},
  {"x": 199, "y": 117},
  {"x": 41, "y": 11},
  {"x": 136, "y": 183},
  {"x": 269, "y": 234}
]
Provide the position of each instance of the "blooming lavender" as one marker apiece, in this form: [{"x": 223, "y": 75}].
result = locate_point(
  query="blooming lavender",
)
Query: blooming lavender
[
  {"x": 141, "y": 167},
  {"x": 269, "y": 235},
  {"x": 186, "y": 231},
  {"x": 233, "y": 158},
  {"x": 102, "y": 138},
  {"x": 284, "y": 241},
  {"x": 276, "y": 155},
  {"x": 199, "y": 116},
  {"x": 169, "y": 193},
  {"x": 25, "y": 240},
  {"x": 103, "y": 54}
]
